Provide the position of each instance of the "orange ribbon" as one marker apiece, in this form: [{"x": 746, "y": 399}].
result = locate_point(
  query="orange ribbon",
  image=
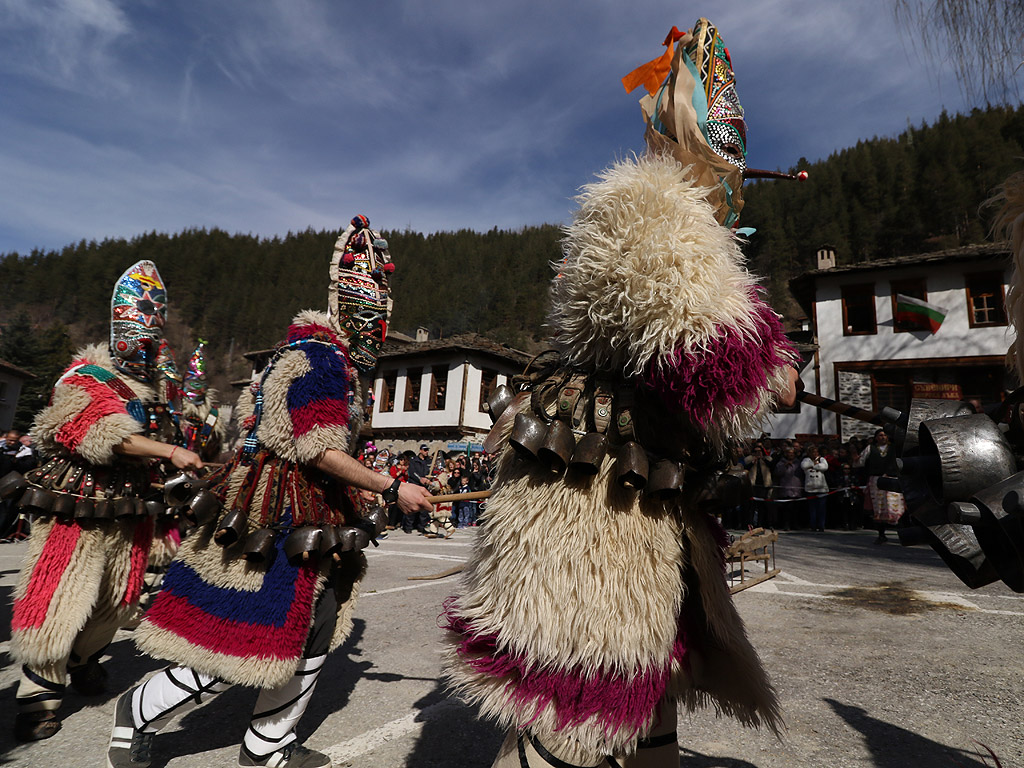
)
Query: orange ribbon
[{"x": 653, "y": 73}]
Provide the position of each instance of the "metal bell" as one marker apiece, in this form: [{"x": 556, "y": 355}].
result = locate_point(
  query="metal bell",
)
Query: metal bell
[
  {"x": 36, "y": 501},
  {"x": 631, "y": 467},
  {"x": 103, "y": 509},
  {"x": 154, "y": 508},
  {"x": 353, "y": 539},
  {"x": 259, "y": 546},
  {"x": 378, "y": 519},
  {"x": 202, "y": 508},
  {"x": 179, "y": 489},
  {"x": 329, "y": 540},
  {"x": 557, "y": 448},
  {"x": 527, "y": 435},
  {"x": 499, "y": 400},
  {"x": 666, "y": 480},
  {"x": 589, "y": 453},
  {"x": 302, "y": 543},
  {"x": 972, "y": 453},
  {"x": 11, "y": 484},
  {"x": 86, "y": 508},
  {"x": 124, "y": 507},
  {"x": 997, "y": 520},
  {"x": 905, "y": 439},
  {"x": 231, "y": 528},
  {"x": 64, "y": 505}
]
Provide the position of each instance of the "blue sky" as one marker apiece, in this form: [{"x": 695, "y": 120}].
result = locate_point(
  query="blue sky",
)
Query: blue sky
[{"x": 270, "y": 116}]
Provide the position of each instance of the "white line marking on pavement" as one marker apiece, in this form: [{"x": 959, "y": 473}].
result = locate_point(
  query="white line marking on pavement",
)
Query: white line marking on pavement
[
  {"x": 403, "y": 589},
  {"x": 368, "y": 741},
  {"x": 424, "y": 556}
]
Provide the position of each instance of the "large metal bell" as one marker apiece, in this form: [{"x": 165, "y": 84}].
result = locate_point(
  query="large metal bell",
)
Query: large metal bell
[
  {"x": 231, "y": 528},
  {"x": 972, "y": 453},
  {"x": 330, "y": 542},
  {"x": 86, "y": 508},
  {"x": 202, "y": 508},
  {"x": 377, "y": 519},
  {"x": 666, "y": 480},
  {"x": 303, "y": 543},
  {"x": 64, "y": 505},
  {"x": 905, "y": 439},
  {"x": 528, "y": 433},
  {"x": 36, "y": 501},
  {"x": 180, "y": 488},
  {"x": 589, "y": 453},
  {"x": 631, "y": 466},
  {"x": 499, "y": 400},
  {"x": 12, "y": 484},
  {"x": 103, "y": 509},
  {"x": 556, "y": 450},
  {"x": 997, "y": 518},
  {"x": 259, "y": 546}
]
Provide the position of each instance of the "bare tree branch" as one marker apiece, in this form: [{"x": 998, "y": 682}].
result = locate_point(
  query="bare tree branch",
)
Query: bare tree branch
[{"x": 984, "y": 39}]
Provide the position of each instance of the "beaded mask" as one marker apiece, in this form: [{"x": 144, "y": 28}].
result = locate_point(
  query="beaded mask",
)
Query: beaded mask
[
  {"x": 138, "y": 310},
  {"x": 693, "y": 113},
  {"x": 195, "y": 384},
  {"x": 724, "y": 127},
  {"x": 359, "y": 300}
]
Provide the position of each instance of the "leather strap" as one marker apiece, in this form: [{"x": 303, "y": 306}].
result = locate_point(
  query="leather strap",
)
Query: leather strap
[{"x": 602, "y": 406}]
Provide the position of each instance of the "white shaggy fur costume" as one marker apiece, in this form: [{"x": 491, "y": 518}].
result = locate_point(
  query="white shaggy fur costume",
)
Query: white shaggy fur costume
[{"x": 587, "y": 608}]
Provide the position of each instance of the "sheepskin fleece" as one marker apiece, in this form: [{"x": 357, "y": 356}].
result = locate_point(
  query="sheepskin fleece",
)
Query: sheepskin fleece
[
  {"x": 70, "y": 403},
  {"x": 584, "y": 605},
  {"x": 277, "y": 429},
  {"x": 83, "y": 570},
  {"x": 1010, "y": 224},
  {"x": 257, "y": 655},
  {"x": 585, "y": 579},
  {"x": 649, "y": 277}
]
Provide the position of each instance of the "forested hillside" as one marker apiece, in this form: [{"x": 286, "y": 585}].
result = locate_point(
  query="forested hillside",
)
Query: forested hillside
[{"x": 917, "y": 192}]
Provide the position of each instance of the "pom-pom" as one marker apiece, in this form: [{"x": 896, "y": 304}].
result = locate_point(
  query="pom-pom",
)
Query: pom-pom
[
  {"x": 360, "y": 222},
  {"x": 380, "y": 244},
  {"x": 389, "y": 268},
  {"x": 348, "y": 259},
  {"x": 249, "y": 422},
  {"x": 802, "y": 176}
]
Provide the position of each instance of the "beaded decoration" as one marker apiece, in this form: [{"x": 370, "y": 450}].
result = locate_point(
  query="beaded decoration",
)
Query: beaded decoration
[
  {"x": 360, "y": 298},
  {"x": 138, "y": 310},
  {"x": 195, "y": 384},
  {"x": 725, "y": 122}
]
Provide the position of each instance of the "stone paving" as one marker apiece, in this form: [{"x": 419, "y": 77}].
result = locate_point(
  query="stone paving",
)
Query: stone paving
[{"x": 881, "y": 658}]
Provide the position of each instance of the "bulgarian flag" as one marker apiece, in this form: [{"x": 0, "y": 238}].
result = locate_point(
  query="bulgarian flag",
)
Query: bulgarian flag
[{"x": 918, "y": 312}]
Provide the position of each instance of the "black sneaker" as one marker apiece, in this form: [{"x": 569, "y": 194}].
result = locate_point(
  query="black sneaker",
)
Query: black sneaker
[
  {"x": 292, "y": 756},
  {"x": 129, "y": 747}
]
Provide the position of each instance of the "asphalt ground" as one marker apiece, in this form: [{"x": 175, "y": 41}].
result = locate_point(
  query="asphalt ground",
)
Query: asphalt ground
[{"x": 880, "y": 655}]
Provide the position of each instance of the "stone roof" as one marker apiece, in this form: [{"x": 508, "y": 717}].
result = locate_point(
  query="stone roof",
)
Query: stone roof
[
  {"x": 802, "y": 286},
  {"x": 14, "y": 370},
  {"x": 472, "y": 342}
]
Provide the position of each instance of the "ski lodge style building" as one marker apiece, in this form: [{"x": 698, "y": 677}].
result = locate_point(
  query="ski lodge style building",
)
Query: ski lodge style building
[{"x": 882, "y": 332}]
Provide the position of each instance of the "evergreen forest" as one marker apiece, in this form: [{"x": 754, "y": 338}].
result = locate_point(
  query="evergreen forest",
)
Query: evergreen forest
[{"x": 920, "y": 191}]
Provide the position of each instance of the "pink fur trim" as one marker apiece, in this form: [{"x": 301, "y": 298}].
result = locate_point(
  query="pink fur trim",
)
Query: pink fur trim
[
  {"x": 728, "y": 373},
  {"x": 30, "y": 611},
  {"x": 617, "y": 701}
]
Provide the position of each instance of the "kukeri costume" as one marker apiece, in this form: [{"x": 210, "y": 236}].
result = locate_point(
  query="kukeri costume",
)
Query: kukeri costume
[
  {"x": 595, "y": 598},
  {"x": 259, "y": 595},
  {"x": 83, "y": 572},
  {"x": 202, "y": 424}
]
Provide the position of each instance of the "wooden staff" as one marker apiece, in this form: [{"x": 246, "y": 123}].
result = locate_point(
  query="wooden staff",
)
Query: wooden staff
[
  {"x": 887, "y": 416},
  {"x": 471, "y": 496}
]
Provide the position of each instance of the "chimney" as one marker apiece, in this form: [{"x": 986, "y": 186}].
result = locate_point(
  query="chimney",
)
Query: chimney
[
  {"x": 826, "y": 257},
  {"x": 422, "y": 334}
]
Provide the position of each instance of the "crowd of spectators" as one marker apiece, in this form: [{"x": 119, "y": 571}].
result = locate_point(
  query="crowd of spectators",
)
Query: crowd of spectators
[
  {"x": 786, "y": 484},
  {"x": 16, "y": 455},
  {"x": 441, "y": 473}
]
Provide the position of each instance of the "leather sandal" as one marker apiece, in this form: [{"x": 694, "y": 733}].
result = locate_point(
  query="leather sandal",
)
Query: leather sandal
[{"x": 36, "y": 726}]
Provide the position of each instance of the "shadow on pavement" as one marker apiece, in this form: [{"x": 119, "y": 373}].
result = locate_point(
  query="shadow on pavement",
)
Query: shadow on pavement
[
  {"x": 691, "y": 759},
  {"x": 453, "y": 735},
  {"x": 895, "y": 747}
]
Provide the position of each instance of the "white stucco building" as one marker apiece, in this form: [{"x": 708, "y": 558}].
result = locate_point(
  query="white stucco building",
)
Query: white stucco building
[
  {"x": 435, "y": 391},
  {"x": 861, "y": 355}
]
